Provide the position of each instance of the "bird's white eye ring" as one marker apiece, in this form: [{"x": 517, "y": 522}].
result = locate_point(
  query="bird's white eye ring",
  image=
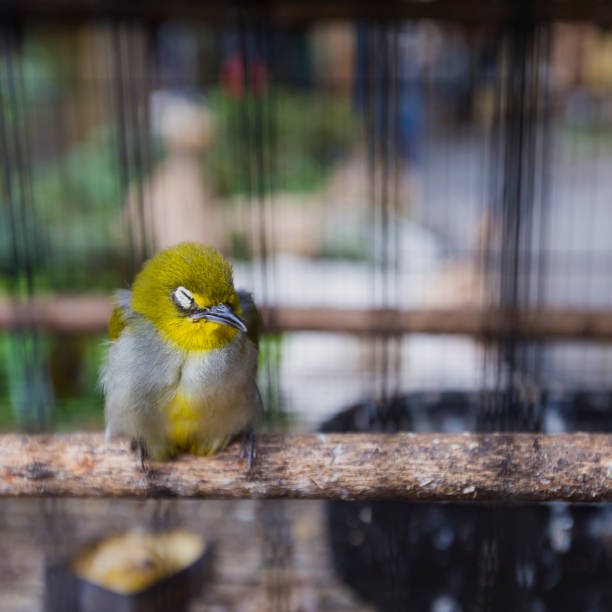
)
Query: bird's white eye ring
[{"x": 183, "y": 298}]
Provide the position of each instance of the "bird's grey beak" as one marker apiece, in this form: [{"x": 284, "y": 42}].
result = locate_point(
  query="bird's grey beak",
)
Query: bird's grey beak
[{"x": 219, "y": 314}]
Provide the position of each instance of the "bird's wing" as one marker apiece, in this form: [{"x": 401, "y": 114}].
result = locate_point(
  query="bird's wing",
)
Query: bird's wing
[
  {"x": 251, "y": 317},
  {"x": 122, "y": 312},
  {"x": 139, "y": 377}
]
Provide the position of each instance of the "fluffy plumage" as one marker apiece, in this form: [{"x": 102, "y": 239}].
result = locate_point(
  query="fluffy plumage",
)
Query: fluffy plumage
[{"x": 173, "y": 384}]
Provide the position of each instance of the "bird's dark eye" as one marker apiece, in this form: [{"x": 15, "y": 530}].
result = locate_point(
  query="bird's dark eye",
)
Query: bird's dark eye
[{"x": 183, "y": 298}]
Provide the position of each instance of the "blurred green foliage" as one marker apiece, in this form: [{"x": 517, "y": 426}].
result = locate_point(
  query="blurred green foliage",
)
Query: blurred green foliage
[
  {"x": 287, "y": 140},
  {"x": 68, "y": 212},
  {"x": 275, "y": 417},
  {"x": 28, "y": 387},
  {"x": 74, "y": 366},
  {"x": 71, "y": 219},
  {"x": 49, "y": 382}
]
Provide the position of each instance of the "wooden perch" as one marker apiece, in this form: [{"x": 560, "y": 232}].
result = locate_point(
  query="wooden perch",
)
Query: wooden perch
[
  {"x": 81, "y": 314},
  {"x": 468, "y": 467}
]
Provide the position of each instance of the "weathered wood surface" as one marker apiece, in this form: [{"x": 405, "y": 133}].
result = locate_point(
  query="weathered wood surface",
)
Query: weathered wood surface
[
  {"x": 78, "y": 314},
  {"x": 468, "y": 467}
]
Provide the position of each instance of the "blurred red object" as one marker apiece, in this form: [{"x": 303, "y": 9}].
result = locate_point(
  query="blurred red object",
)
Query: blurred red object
[{"x": 232, "y": 76}]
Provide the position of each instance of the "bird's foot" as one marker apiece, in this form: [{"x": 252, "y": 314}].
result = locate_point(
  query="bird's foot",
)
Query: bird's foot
[
  {"x": 141, "y": 453},
  {"x": 248, "y": 447}
]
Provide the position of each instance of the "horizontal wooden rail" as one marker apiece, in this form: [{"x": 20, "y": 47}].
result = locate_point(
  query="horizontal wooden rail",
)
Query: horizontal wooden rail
[
  {"x": 468, "y": 467},
  {"x": 559, "y": 324},
  {"x": 79, "y": 314},
  {"x": 60, "y": 313}
]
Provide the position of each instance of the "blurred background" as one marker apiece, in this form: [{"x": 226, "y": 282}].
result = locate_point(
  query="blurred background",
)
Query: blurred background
[{"x": 431, "y": 161}]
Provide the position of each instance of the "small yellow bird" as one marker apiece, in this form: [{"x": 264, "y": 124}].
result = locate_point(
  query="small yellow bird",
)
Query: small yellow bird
[{"x": 180, "y": 371}]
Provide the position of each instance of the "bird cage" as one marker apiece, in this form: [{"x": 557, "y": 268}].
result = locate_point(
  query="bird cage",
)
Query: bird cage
[{"x": 417, "y": 196}]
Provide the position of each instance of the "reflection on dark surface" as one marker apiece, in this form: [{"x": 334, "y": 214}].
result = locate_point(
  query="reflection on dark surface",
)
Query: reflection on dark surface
[
  {"x": 451, "y": 557},
  {"x": 462, "y": 557}
]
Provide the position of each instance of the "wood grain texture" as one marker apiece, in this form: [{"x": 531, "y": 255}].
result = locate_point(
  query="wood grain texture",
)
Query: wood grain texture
[
  {"x": 80, "y": 314},
  {"x": 467, "y": 467}
]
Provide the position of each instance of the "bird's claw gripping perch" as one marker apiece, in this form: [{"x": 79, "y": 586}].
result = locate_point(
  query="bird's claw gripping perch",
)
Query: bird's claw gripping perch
[
  {"x": 141, "y": 454},
  {"x": 248, "y": 447}
]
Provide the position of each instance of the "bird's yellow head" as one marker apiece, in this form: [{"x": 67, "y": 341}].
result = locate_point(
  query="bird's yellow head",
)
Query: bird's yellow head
[{"x": 187, "y": 292}]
